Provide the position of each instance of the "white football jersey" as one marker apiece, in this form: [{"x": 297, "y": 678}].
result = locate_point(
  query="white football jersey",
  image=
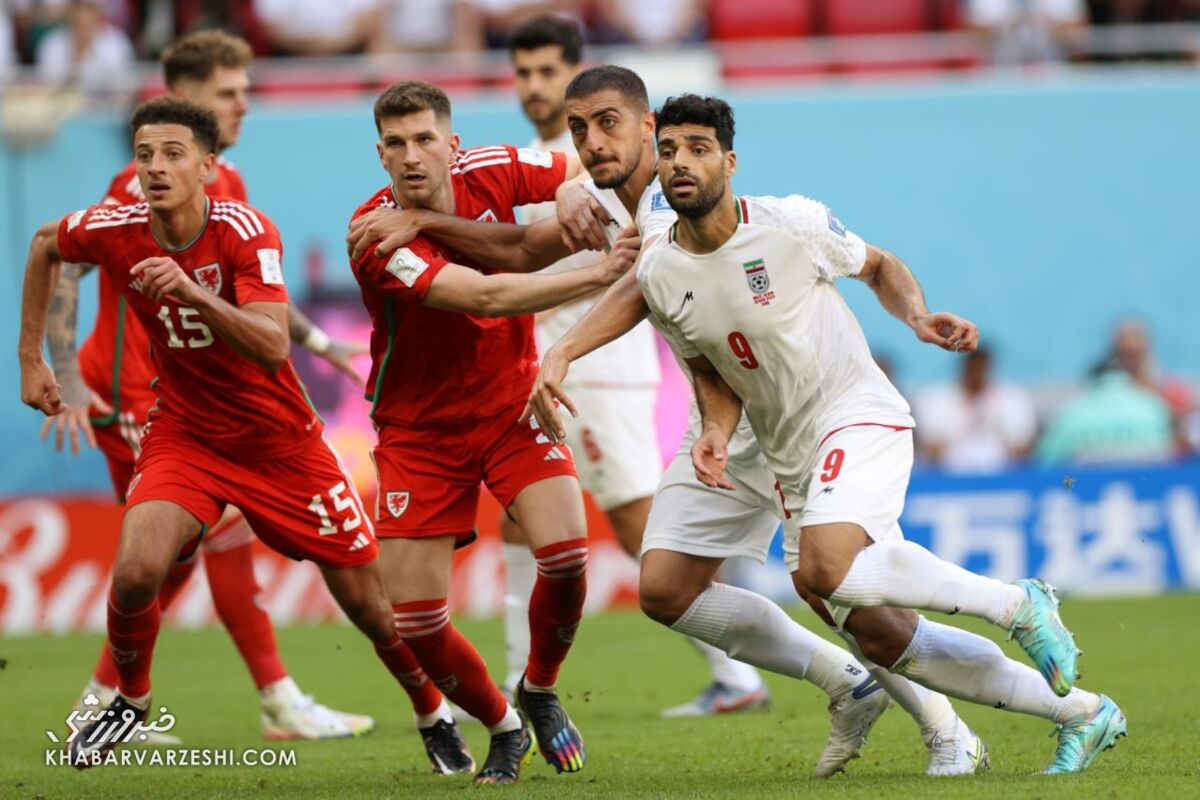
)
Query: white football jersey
[
  {"x": 764, "y": 310},
  {"x": 630, "y": 361}
]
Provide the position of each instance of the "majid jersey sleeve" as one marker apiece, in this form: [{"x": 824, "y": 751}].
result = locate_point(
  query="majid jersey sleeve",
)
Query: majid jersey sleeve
[
  {"x": 835, "y": 251},
  {"x": 654, "y": 214}
]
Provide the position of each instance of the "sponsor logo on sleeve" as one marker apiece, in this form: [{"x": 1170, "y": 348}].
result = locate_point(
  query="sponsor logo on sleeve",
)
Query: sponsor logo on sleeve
[
  {"x": 835, "y": 224},
  {"x": 210, "y": 277},
  {"x": 272, "y": 267},
  {"x": 535, "y": 158},
  {"x": 407, "y": 266}
]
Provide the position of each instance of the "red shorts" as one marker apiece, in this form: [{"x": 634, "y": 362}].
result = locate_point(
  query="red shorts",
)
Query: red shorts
[
  {"x": 119, "y": 440},
  {"x": 429, "y": 477},
  {"x": 303, "y": 505}
]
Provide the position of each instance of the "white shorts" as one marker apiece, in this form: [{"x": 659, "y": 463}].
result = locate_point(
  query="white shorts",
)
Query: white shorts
[
  {"x": 859, "y": 474},
  {"x": 615, "y": 443},
  {"x": 689, "y": 517}
]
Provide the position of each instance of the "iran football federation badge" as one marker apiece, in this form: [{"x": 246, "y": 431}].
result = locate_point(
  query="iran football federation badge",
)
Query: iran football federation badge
[
  {"x": 209, "y": 277},
  {"x": 397, "y": 503},
  {"x": 759, "y": 281}
]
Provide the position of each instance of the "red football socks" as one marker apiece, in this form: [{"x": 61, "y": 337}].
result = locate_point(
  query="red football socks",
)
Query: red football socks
[
  {"x": 131, "y": 635},
  {"x": 105, "y": 672},
  {"x": 401, "y": 662},
  {"x": 237, "y": 598},
  {"x": 555, "y": 607},
  {"x": 449, "y": 659}
]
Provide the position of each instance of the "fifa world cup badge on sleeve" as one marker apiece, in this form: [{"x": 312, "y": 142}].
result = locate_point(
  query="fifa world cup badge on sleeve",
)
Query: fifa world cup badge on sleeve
[{"x": 759, "y": 281}]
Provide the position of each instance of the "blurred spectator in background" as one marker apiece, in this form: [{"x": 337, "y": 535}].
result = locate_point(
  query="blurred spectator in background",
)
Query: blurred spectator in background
[
  {"x": 431, "y": 25},
  {"x": 8, "y": 48},
  {"x": 88, "y": 53},
  {"x": 977, "y": 425},
  {"x": 1028, "y": 31},
  {"x": 321, "y": 27},
  {"x": 499, "y": 17},
  {"x": 1130, "y": 353},
  {"x": 1114, "y": 421},
  {"x": 652, "y": 23}
]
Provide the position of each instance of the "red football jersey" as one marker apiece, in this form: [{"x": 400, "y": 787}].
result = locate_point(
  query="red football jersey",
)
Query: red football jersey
[
  {"x": 114, "y": 360},
  {"x": 431, "y": 367},
  {"x": 205, "y": 390}
]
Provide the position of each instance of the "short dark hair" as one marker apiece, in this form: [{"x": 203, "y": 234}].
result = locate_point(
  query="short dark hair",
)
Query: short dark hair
[
  {"x": 549, "y": 29},
  {"x": 692, "y": 109},
  {"x": 170, "y": 110},
  {"x": 198, "y": 54},
  {"x": 610, "y": 76},
  {"x": 409, "y": 97}
]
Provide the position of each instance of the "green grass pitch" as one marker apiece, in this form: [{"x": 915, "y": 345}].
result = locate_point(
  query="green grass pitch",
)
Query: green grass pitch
[{"x": 623, "y": 670}]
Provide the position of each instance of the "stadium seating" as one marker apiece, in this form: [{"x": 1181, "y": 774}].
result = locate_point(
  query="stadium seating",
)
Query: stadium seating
[{"x": 760, "y": 19}]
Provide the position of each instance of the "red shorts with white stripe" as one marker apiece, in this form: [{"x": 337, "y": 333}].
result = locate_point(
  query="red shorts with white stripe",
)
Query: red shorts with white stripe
[
  {"x": 303, "y": 505},
  {"x": 429, "y": 477}
]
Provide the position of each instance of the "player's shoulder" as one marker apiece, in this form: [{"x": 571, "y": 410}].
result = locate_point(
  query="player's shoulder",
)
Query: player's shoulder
[
  {"x": 653, "y": 200},
  {"x": 125, "y": 188},
  {"x": 110, "y": 216},
  {"x": 649, "y": 270},
  {"x": 474, "y": 163},
  {"x": 228, "y": 167},
  {"x": 234, "y": 218},
  {"x": 801, "y": 216},
  {"x": 384, "y": 198}
]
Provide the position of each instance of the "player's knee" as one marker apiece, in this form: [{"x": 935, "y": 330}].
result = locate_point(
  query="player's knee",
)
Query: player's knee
[
  {"x": 883, "y": 634},
  {"x": 819, "y": 576},
  {"x": 372, "y": 618},
  {"x": 662, "y": 600},
  {"x": 135, "y": 583}
]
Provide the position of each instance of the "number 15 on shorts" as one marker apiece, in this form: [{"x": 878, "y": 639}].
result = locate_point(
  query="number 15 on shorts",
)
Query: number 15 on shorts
[{"x": 341, "y": 503}]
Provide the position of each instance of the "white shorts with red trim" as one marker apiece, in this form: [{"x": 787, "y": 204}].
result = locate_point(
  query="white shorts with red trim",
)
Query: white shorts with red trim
[
  {"x": 859, "y": 474},
  {"x": 614, "y": 442}
]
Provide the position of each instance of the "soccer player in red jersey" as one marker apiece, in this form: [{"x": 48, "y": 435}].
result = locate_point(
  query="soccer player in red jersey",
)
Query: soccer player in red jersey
[
  {"x": 232, "y": 424},
  {"x": 107, "y": 392},
  {"x": 453, "y": 360}
]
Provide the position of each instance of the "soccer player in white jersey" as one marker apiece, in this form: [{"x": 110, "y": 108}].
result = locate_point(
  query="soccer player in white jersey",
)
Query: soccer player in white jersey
[
  {"x": 743, "y": 289},
  {"x": 613, "y": 129}
]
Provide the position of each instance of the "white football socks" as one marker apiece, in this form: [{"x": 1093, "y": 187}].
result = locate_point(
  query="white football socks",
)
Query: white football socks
[
  {"x": 728, "y": 671},
  {"x": 751, "y": 628},
  {"x": 970, "y": 667},
  {"x": 442, "y": 712},
  {"x": 511, "y": 721},
  {"x": 520, "y": 573},
  {"x": 929, "y": 709},
  {"x": 905, "y": 575}
]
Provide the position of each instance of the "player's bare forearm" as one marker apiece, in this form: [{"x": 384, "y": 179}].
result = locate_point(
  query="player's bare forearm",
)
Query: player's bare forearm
[
  {"x": 898, "y": 292},
  {"x": 514, "y": 248},
  {"x": 720, "y": 407},
  {"x": 462, "y": 289},
  {"x": 299, "y": 325},
  {"x": 61, "y": 321},
  {"x": 894, "y": 284},
  {"x": 616, "y": 313},
  {"x": 258, "y": 331},
  {"x": 42, "y": 269}
]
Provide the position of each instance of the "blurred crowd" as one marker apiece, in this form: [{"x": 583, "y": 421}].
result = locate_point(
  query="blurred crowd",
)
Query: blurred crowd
[
  {"x": 89, "y": 43},
  {"x": 1125, "y": 412}
]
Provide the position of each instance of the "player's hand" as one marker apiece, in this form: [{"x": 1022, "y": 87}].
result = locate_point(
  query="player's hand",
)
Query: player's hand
[
  {"x": 710, "y": 454},
  {"x": 623, "y": 254},
  {"x": 341, "y": 355},
  {"x": 547, "y": 394},
  {"x": 391, "y": 227},
  {"x": 163, "y": 277},
  {"x": 39, "y": 389},
  {"x": 948, "y": 331},
  {"x": 581, "y": 218},
  {"x": 75, "y": 420}
]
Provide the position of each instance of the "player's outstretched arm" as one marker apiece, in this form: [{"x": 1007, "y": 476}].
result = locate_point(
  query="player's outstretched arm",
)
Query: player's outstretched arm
[
  {"x": 720, "y": 410},
  {"x": 78, "y": 399},
  {"x": 39, "y": 388},
  {"x": 458, "y": 288},
  {"x": 258, "y": 331},
  {"x": 513, "y": 248},
  {"x": 898, "y": 292},
  {"x": 306, "y": 333},
  {"x": 616, "y": 313}
]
